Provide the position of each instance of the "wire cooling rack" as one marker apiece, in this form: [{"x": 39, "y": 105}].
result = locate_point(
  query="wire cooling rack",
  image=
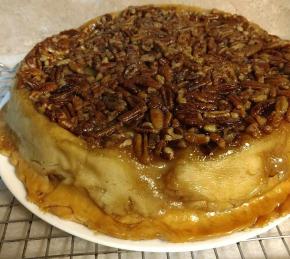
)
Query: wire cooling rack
[{"x": 24, "y": 235}]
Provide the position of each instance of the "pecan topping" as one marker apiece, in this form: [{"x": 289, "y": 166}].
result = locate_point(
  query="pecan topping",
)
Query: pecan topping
[{"x": 156, "y": 80}]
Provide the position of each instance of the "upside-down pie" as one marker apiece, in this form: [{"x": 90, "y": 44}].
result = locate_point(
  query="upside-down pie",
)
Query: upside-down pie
[{"x": 162, "y": 122}]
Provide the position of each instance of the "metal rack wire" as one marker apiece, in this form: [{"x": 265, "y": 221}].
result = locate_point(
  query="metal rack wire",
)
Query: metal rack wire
[{"x": 23, "y": 235}]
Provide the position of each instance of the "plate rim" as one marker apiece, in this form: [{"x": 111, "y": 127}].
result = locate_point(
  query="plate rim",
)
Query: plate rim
[{"x": 16, "y": 187}]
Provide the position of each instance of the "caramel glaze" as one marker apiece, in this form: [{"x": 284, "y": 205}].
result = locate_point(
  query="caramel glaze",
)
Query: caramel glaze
[{"x": 176, "y": 225}]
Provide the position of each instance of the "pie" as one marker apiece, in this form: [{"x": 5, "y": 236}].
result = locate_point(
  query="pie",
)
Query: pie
[{"x": 166, "y": 122}]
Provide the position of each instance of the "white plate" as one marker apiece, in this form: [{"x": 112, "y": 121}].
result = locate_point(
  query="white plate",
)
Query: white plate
[{"x": 7, "y": 172}]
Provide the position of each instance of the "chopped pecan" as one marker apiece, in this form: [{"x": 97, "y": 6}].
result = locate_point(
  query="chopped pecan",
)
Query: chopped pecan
[
  {"x": 253, "y": 129},
  {"x": 108, "y": 131},
  {"x": 282, "y": 104},
  {"x": 157, "y": 118},
  {"x": 196, "y": 138},
  {"x": 168, "y": 153},
  {"x": 132, "y": 114},
  {"x": 171, "y": 79}
]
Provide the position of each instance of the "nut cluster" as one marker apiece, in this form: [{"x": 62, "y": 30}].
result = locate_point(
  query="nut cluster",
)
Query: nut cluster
[{"x": 156, "y": 80}]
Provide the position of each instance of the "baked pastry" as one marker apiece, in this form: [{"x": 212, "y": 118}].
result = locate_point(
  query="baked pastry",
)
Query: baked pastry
[{"x": 156, "y": 122}]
